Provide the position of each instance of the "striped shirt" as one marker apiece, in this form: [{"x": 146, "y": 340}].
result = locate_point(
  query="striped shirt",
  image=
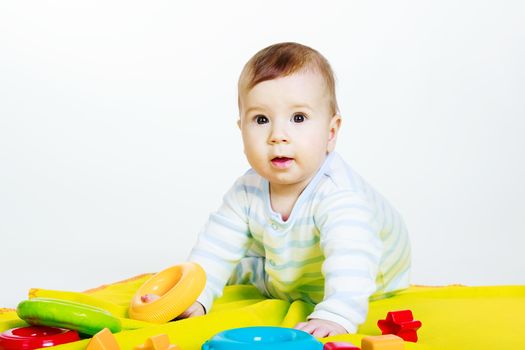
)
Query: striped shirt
[{"x": 342, "y": 245}]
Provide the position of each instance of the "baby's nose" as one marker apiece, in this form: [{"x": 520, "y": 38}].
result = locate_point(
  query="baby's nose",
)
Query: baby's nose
[
  {"x": 278, "y": 135},
  {"x": 276, "y": 140}
]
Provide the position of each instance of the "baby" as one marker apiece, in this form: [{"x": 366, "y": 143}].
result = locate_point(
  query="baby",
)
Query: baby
[{"x": 300, "y": 224}]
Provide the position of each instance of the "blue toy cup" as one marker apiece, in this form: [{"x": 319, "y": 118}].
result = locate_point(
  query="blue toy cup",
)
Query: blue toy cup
[{"x": 262, "y": 337}]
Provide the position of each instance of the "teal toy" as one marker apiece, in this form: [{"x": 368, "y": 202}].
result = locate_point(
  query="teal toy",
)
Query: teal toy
[{"x": 259, "y": 338}]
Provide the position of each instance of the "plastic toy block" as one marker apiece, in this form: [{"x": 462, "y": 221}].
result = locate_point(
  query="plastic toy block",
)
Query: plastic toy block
[
  {"x": 400, "y": 323},
  {"x": 103, "y": 340},
  {"x": 382, "y": 342},
  {"x": 339, "y": 346},
  {"x": 158, "y": 342}
]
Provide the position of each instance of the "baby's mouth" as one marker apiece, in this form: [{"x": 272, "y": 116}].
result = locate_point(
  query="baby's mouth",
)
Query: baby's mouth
[{"x": 282, "y": 162}]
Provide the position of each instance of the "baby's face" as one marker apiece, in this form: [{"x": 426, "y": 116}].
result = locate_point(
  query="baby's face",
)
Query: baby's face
[{"x": 287, "y": 127}]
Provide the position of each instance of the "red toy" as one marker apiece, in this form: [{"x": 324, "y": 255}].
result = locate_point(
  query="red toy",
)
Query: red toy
[
  {"x": 36, "y": 337},
  {"x": 339, "y": 346},
  {"x": 400, "y": 323}
]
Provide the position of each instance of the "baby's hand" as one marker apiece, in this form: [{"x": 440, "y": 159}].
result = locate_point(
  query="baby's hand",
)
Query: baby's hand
[
  {"x": 321, "y": 328},
  {"x": 148, "y": 298},
  {"x": 195, "y": 309}
]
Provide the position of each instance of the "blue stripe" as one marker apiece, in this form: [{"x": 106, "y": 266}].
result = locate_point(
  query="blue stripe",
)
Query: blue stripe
[
  {"x": 253, "y": 190},
  {"x": 222, "y": 221},
  {"x": 304, "y": 221},
  {"x": 350, "y": 223},
  {"x": 354, "y": 252},
  {"x": 207, "y": 255},
  {"x": 224, "y": 245},
  {"x": 259, "y": 222},
  {"x": 344, "y": 206}
]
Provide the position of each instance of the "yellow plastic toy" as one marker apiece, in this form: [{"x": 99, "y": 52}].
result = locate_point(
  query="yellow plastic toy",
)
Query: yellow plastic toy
[{"x": 178, "y": 287}]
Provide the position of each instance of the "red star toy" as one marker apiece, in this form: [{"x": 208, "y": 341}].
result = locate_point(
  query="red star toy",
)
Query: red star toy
[{"x": 400, "y": 323}]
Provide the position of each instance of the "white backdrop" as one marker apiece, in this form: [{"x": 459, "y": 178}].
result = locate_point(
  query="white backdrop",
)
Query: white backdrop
[{"x": 118, "y": 134}]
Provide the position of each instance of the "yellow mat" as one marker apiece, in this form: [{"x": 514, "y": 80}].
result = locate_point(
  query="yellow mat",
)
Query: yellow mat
[{"x": 453, "y": 317}]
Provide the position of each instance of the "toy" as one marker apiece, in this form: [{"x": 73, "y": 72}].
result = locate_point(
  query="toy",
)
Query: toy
[
  {"x": 178, "y": 287},
  {"x": 67, "y": 314},
  {"x": 103, "y": 340},
  {"x": 262, "y": 338},
  {"x": 158, "y": 342},
  {"x": 35, "y": 337},
  {"x": 400, "y": 323},
  {"x": 340, "y": 346},
  {"x": 382, "y": 342},
  {"x": 80, "y": 297}
]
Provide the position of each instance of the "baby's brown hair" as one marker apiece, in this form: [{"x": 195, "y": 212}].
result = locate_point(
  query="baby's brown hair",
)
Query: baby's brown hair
[{"x": 280, "y": 60}]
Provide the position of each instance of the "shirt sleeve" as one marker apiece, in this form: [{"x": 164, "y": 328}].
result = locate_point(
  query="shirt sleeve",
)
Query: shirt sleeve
[
  {"x": 221, "y": 243},
  {"x": 351, "y": 243}
]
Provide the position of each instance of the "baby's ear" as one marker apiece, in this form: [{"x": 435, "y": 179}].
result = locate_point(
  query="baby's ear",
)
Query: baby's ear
[
  {"x": 335, "y": 124},
  {"x": 239, "y": 123}
]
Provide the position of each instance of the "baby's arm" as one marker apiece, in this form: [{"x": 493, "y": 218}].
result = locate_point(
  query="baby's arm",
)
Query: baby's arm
[
  {"x": 222, "y": 243},
  {"x": 350, "y": 241}
]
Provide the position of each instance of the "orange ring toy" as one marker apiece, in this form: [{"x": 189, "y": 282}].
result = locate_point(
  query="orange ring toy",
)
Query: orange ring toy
[{"x": 178, "y": 287}]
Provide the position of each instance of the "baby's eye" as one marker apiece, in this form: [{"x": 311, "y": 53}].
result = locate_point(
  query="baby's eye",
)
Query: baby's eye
[
  {"x": 299, "y": 118},
  {"x": 261, "y": 119}
]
